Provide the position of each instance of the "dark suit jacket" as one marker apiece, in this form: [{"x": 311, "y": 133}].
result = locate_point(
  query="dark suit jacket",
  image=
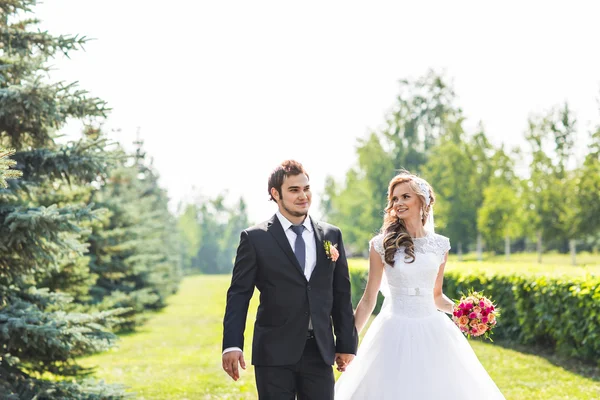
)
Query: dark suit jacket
[{"x": 265, "y": 260}]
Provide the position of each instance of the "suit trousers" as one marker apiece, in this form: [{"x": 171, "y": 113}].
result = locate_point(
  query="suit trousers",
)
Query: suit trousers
[{"x": 309, "y": 379}]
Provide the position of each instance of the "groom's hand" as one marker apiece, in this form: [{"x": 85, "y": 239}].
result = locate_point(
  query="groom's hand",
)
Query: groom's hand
[
  {"x": 343, "y": 360},
  {"x": 230, "y": 363}
]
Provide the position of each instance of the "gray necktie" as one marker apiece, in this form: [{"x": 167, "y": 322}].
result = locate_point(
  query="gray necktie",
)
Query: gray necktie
[{"x": 299, "y": 246}]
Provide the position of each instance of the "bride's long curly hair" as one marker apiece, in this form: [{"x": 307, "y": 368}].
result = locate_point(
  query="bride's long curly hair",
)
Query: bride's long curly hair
[{"x": 395, "y": 234}]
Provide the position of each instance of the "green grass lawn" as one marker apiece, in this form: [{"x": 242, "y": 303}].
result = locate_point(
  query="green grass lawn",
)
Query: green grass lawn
[
  {"x": 550, "y": 258},
  {"x": 177, "y": 355}
]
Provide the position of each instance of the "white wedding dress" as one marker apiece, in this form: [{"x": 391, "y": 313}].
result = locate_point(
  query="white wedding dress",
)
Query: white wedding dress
[{"x": 412, "y": 351}]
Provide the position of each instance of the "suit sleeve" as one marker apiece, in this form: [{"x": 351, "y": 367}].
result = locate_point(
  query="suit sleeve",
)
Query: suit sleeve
[
  {"x": 239, "y": 294},
  {"x": 346, "y": 337}
]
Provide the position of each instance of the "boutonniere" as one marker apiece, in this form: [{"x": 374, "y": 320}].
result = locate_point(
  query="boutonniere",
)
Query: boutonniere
[{"x": 331, "y": 250}]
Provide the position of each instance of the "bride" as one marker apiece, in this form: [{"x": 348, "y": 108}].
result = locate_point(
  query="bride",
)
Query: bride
[{"x": 411, "y": 350}]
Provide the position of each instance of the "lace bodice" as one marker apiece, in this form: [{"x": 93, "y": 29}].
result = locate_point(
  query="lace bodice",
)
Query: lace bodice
[{"x": 411, "y": 284}]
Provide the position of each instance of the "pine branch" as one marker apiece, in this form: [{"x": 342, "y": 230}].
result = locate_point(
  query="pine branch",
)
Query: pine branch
[
  {"x": 16, "y": 40},
  {"x": 15, "y": 385},
  {"x": 50, "y": 341},
  {"x": 5, "y": 164},
  {"x": 32, "y": 238},
  {"x": 82, "y": 161},
  {"x": 10, "y": 7},
  {"x": 31, "y": 112},
  {"x": 14, "y": 70}
]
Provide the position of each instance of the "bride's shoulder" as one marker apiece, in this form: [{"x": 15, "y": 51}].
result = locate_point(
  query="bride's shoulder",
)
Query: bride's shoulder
[
  {"x": 441, "y": 243},
  {"x": 377, "y": 243}
]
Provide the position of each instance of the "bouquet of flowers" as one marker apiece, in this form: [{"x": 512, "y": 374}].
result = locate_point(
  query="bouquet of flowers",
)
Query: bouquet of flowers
[{"x": 475, "y": 315}]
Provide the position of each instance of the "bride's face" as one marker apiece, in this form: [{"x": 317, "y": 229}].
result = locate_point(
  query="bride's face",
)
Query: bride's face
[{"x": 405, "y": 202}]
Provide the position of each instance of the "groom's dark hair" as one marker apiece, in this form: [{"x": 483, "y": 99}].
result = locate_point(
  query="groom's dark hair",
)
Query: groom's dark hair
[{"x": 285, "y": 169}]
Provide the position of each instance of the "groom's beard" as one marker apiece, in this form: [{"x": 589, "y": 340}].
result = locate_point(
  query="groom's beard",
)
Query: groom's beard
[{"x": 294, "y": 213}]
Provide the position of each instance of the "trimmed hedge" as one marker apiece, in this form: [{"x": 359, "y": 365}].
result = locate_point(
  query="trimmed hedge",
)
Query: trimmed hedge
[
  {"x": 558, "y": 312},
  {"x": 358, "y": 281}
]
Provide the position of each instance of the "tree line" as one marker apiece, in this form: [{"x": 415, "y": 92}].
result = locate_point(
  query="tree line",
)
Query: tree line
[
  {"x": 210, "y": 232},
  {"x": 539, "y": 197},
  {"x": 553, "y": 203}
]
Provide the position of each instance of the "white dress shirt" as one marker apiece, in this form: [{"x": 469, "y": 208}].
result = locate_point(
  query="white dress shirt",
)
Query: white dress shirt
[{"x": 311, "y": 252}]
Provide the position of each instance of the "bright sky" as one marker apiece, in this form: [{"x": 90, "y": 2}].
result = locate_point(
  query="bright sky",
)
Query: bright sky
[{"x": 223, "y": 91}]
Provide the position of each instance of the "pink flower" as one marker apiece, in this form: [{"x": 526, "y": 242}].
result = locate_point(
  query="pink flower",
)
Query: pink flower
[
  {"x": 474, "y": 315},
  {"x": 335, "y": 254},
  {"x": 331, "y": 250}
]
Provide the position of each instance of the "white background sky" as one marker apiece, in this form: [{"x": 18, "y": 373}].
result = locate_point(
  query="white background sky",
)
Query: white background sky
[{"x": 222, "y": 91}]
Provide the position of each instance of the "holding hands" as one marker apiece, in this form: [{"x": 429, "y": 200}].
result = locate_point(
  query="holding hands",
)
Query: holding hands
[{"x": 343, "y": 360}]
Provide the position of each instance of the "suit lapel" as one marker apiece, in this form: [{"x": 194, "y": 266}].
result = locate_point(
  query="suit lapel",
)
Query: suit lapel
[
  {"x": 274, "y": 227},
  {"x": 321, "y": 256}
]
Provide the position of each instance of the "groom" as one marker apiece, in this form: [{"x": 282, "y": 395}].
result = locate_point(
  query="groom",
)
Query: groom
[{"x": 304, "y": 287}]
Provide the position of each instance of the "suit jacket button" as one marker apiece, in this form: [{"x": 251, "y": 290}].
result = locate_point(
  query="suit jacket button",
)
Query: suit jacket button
[
  {"x": 308, "y": 287},
  {"x": 306, "y": 313}
]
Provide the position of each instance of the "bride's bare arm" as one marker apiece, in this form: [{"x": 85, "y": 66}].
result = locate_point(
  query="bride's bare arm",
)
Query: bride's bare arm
[
  {"x": 367, "y": 303},
  {"x": 442, "y": 302}
]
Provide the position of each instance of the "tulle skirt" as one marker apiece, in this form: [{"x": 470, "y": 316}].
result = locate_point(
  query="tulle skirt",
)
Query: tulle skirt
[{"x": 424, "y": 358}]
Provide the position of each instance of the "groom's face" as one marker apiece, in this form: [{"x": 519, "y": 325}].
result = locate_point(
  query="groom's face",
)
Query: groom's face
[{"x": 295, "y": 196}]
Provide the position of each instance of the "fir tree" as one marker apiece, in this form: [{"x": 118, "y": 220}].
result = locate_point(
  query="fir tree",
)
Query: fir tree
[
  {"x": 42, "y": 221},
  {"x": 135, "y": 252}
]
